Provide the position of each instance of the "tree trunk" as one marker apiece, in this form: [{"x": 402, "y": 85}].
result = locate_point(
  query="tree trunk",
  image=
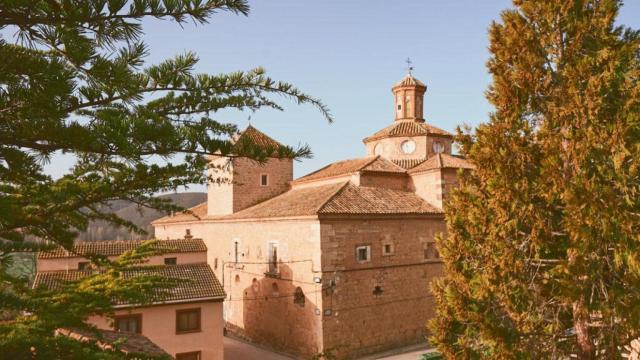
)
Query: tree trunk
[{"x": 586, "y": 350}]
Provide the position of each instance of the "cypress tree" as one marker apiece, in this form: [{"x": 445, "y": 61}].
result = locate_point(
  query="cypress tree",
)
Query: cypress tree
[{"x": 542, "y": 254}]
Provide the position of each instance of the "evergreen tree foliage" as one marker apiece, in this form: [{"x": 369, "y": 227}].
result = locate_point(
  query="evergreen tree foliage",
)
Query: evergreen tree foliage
[
  {"x": 542, "y": 254},
  {"x": 73, "y": 80}
]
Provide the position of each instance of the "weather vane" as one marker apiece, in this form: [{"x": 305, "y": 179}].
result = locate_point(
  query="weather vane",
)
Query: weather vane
[
  {"x": 249, "y": 120},
  {"x": 409, "y": 66}
]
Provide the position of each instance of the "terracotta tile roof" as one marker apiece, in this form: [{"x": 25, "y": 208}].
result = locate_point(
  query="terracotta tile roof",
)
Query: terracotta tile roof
[
  {"x": 381, "y": 164},
  {"x": 342, "y": 198},
  {"x": 199, "y": 281},
  {"x": 115, "y": 248},
  {"x": 409, "y": 80},
  {"x": 254, "y": 136},
  {"x": 296, "y": 202},
  {"x": 127, "y": 342},
  {"x": 354, "y": 199},
  {"x": 443, "y": 161},
  {"x": 407, "y": 128},
  {"x": 351, "y": 166},
  {"x": 197, "y": 212},
  {"x": 408, "y": 163}
]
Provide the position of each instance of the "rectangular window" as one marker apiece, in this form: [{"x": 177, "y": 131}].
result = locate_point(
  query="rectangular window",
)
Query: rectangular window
[
  {"x": 264, "y": 180},
  {"x": 187, "y": 320},
  {"x": 363, "y": 253},
  {"x": 194, "y": 355},
  {"x": 273, "y": 257},
  {"x": 83, "y": 265},
  {"x": 431, "y": 252},
  {"x": 387, "y": 249},
  {"x": 129, "y": 323},
  {"x": 171, "y": 261}
]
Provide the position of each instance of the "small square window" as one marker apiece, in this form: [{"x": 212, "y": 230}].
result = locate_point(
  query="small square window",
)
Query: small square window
[
  {"x": 387, "y": 249},
  {"x": 363, "y": 253},
  {"x": 431, "y": 252},
  {"x": 83, "y": 265},
  {"x": 171, "y": 261},
  {"x": 187, "y": 320},
  {"x": 129, "y": 323},
  {"x": 264, "y": 180}
]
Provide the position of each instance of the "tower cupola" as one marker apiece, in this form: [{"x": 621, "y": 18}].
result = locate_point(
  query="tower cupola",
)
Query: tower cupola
[{"x": 409, "y": 94}]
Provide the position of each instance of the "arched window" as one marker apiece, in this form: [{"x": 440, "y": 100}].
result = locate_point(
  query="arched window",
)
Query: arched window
[
  {"x": 274, "y": 289},
  {"x": 298, "y": 297},
  {"x": 237, "y": 278},
  {"x": 215, "y": 264},
  {"x": 255, "y": 286}
]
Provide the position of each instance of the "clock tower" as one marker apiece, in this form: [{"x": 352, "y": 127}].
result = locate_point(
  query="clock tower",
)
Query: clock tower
[{"x": 409, "y": 140}]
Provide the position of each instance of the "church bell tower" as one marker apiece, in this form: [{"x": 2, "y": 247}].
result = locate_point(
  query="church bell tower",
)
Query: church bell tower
[
  {"x": 409, "y": 94},
  {"x": 409, "y": 140}
]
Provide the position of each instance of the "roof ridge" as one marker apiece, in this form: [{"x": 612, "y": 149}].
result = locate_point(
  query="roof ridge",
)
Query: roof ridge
[
  {"x": 386, "y": 161},
  {"x": 306, "y": 177},
  {"x": 375, "y": 157},
  {"x": 187, "y": 211},
  {"x": 333, "y": 196},
  {"x": 133, "y": 269}
]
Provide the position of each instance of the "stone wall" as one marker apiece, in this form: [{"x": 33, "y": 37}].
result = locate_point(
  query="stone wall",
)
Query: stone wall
[
  {"x": 383, "y": 303},
  {"x": 429, "y": 186},
  {"x": 248, "y": 191},
  {"x": 382, "y": 180},
  {"x": 237, "y": 185},
  {"x": 261, "y": 307},
  {"x": 220, "y": 190}
]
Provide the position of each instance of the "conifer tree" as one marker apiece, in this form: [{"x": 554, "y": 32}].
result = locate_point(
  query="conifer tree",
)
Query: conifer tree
[
  {"x": 73, "y": 80},
  {"x": 542, "y": 253}
]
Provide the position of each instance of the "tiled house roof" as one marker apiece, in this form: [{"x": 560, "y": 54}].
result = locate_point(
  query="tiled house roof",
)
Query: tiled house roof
[
  {"x": 115, "y": 248},
  {"x": 128, "y": 343},
  {"x": 341, "y": 198},
  {"x": 296, "y": 202},
  {"x": 199, "y": 281},
  {"x": 443, "y": 161},
  {"x": 256, "y": 137},
  {"x": 197, "y": 212},
  {"x": 351, "y": 166},
  {"x": 375, "y": 200},
  {"x": 407, "y": 128}
]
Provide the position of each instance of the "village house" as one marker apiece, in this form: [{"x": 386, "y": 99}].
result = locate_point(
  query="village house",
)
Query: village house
[
  {"x": 338, "y": 261},
  {"x": 187, "y": 323}
]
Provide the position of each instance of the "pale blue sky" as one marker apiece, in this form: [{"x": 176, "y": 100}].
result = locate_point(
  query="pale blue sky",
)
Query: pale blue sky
[{"x": 348, "y": 53}]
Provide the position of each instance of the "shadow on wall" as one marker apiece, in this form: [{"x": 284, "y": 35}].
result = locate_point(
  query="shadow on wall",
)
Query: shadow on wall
[{"x": 277, "y": 312}]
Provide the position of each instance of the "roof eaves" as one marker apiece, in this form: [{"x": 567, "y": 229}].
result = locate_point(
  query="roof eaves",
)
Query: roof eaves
[{"x": 168, "y": 302}]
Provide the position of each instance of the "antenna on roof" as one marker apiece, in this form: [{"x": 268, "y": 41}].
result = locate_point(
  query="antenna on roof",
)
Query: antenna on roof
[{"x": 409, "y": 66}]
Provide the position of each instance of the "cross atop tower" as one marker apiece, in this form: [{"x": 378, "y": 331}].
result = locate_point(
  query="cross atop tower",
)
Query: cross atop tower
[{"x": 409, "y": 66}]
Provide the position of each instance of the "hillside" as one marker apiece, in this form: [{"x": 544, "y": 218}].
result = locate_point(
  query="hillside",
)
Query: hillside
[{"x": 101, "y": 230}]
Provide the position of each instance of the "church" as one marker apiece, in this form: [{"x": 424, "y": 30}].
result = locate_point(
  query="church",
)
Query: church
[{"x": 338, "y": 261}]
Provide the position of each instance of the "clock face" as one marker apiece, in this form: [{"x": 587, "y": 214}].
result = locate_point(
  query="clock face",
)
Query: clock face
[
  {"x": 438, "y": 147},
  {"x": 408, "y": 146},
  {"x": 378, "y": 149}
]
